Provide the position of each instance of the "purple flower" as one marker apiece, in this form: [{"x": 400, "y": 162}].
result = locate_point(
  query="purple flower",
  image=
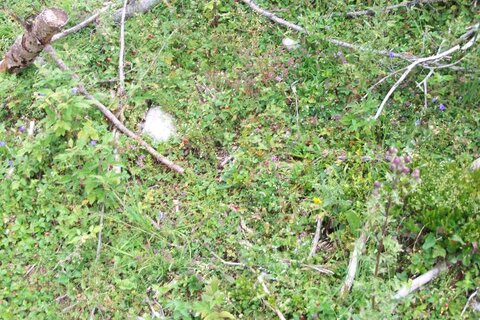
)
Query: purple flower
[
  {"x": 442, "y": 107},
  {"x": 9, "y": 163},
  {"x": 391, "y": 54},
  {"x": 93, "y": 142},
  {"x": 3, "y": 143},
  {"x": 274, "y": 158},
  {"x": 22, "y": 128},
  {"x": 416, "y": 173},
  {"x": 407, "y": 159},
  {"x": 278, "y": 78},
  {"x": 392, "y": 151},
  {"x": 74, "y": 91},
  {"x": 377, "y": 184}
]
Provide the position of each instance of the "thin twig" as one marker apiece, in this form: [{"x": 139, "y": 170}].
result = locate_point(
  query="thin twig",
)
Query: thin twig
[
  {"x": 70, "y": 307},
  {"x": 409, "y": 69},
  {"x": 273, "y": 17},
  {"x": 316, "y": 238},
  {"x": 372, "y": 12},
  {"x": 468, "y": 302},
  {"x": 99, "y": 243},
  {"x": 110, "y": 116},
  {"x": 382, "y": 80},
  {"x": 81, "y": 25},
  {"x": 420, "y": 281},
  {"x": 228, "y": 263},
  {"x": 318, "y": 268},
  {"x": 270, "y": 15},
  {"x": 418, "y": 237}
]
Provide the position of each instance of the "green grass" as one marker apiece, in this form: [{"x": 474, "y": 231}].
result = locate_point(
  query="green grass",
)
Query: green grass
[{"x": 258, "y": 210}]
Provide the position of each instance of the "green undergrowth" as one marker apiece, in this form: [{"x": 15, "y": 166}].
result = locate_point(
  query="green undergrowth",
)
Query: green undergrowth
[{"x": 233, "y": 241}]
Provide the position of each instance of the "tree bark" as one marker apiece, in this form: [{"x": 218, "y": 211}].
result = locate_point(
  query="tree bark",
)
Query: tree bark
[{"x": 38, "y": 34}]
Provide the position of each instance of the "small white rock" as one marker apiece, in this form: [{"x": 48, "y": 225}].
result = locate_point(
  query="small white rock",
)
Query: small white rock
[
  {"x": 290, "y": 44},
  {"x": 475, "y": 165},
  {"x": 158, "y": 125}
]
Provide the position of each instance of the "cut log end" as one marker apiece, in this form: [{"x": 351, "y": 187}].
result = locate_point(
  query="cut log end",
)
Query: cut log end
[
  {"x": 28, "y": 46},
  {"x": 55, "y": 18}
]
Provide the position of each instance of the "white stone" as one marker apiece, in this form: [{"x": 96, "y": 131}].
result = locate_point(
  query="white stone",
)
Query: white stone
[
  {"x": 475, "y": 165},
  {"x": 290, "y": 44},
  {"x": 158, "y": 125}
]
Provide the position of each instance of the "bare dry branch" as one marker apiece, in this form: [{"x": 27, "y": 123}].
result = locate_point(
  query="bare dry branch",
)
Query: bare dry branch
[
  {"x": 353, "y": 264},
  {"x": 421, "y": 281},
  {"x": 316, "y": 237},
  {"x": 270, "y": 15},
  {"x": 81, "y": 25},
  {"x": 470, "y": 298},
  {"x": 112, "y": 118},
  {"x": 406, "y": 4},
  {"x": 424, "y": 61}
]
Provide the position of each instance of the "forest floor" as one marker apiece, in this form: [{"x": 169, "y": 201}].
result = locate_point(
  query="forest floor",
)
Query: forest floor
[{"x": 278, "y": 145}]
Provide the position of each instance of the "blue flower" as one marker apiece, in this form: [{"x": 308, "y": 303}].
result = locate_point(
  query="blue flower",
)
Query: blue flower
[
  {"x": 442, "y": 107},
  {"x": 418, "y": 122},
  {"x": 3, "y": 143},
  {"x": 391, "y": 54},
  {"x": 22, "y": 128},
  {"x": 93, "y": 142},
  {"x": 10, "y": 163},
  {"x": 74, "y": 91}
]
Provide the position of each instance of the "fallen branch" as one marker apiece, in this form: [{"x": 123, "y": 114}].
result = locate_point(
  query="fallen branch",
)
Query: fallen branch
[
  {"x": 139, "y": 6},
  {"x": 382, "y": 80},
  {"x": 424, "y": 61},
  {"x": 316, "y": 238},
  {"x": 81, "y": 25},
  {"x": 39, "y": 34},
  {"x": 469, "y": 300},
  {"x": 353, "y": 264},
  {"x": 273, "y": 17},
  {"x": 111, "y": 117},
  {"x": 340, "y": 43},
  {"x": 421, "y": 281}
]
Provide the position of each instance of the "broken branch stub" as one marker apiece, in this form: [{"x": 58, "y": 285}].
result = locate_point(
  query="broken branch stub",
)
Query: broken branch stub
[{"x": 38, "y": 34}]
